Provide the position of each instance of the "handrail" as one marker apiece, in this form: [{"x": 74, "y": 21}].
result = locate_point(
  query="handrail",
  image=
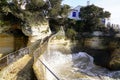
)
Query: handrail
[
  {"x": 62, "y": 33},
  {"x": 30, "y": 50},
  {"x": 11, "y": 57},
  {"x": 40, "y": 50},
  {"x": 49, "y": 70}
]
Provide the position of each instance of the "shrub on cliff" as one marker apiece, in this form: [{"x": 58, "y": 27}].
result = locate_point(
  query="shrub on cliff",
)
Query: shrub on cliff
[
  {"x": 31, "y": 12},
  {"x": 92, "y": 15},
  {"x": 71, "y": 33}
]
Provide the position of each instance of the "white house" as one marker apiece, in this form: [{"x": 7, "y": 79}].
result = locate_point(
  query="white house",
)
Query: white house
[{"x": 74, "y": 13}]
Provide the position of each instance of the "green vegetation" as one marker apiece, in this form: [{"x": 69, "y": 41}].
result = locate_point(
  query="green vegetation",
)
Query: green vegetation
[
  {"x": 37, "y": 10},
  {"x": 91, "y": 16},
  {"x": 1, "y": 22},
  {"x": 59, "y": 37},
  {"x": 71, "y": 33},
  {"x": 91, "y": 20},
  {"x": 59, "y": 20},
  {"x": 64, "y": 10},
  {"x": 55, "y": 8}
]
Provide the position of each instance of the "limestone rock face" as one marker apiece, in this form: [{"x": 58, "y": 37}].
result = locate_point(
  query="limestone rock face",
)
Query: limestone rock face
[
  {"x": 94, "y": 42},
  {"x": 6, "y": 43},
  {"x": 27, "y": 30},
  {"x": 115, "y": 60},
  {"x": 36, "y": 32},
  {"x": 117, "y": 35}
]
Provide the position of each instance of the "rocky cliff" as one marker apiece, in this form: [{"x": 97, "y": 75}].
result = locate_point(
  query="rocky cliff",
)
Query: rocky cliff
[
  {"x": 36, "y": 32},
  {"x": 105, "y": 50},
  {"x": 6, "y": 43},
  {"x": 18, "y": 36},
  {"x": 14, "y": 39}
]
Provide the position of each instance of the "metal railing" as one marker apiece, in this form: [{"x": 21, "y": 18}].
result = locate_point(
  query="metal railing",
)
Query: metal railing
[
  {"x": 14, "y": 56},
  {"x": 36, "y": 49},
  {"x": 37, "y": 54},
  {"x": 39, "y": 51},
  {"x": 49, "y": 69}
]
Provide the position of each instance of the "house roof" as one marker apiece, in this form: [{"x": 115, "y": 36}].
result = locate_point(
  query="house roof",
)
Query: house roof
[
  {"x": 75, "y": 8},
  {"x": 78, "y": 6}
]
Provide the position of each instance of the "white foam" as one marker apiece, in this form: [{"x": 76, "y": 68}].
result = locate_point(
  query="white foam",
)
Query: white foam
[{"x": 61, "y": 63}]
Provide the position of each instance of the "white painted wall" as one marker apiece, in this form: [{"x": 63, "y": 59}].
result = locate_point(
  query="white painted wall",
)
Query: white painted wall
[{"x": 76, "y": 10}]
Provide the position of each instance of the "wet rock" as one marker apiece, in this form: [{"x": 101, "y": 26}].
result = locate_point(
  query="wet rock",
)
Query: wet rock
[
  {"x": 104, "y": 50},
  {"x": 114, "y": 63}
]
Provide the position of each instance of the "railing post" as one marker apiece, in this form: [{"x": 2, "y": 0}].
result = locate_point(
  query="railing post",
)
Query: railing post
[
  {"x": 7, "y": 60},
  {"x": 49, "y": 70},
  {"x": 29, "y": 50}
]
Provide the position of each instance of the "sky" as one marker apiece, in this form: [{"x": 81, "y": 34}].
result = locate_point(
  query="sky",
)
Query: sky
[{"x": 113, "y": 6}]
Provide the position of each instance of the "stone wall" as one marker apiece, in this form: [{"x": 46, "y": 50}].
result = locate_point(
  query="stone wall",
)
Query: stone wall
[
  {"x": 36, "y": 32},
  {"x": 6, "y": 43},
  {"x": 10, "y": 42}
]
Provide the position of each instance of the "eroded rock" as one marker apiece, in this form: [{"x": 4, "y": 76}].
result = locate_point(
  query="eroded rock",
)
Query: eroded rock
[{"x": 114, "y": 63}]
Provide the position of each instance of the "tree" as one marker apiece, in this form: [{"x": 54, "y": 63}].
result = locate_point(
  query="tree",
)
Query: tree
[
  {"x": 91, "y": 15},
  {"x": 30, "y": 12},
  {"x": 71, "y": 33},
  {"x": 64, "y": 10},
  {"x": 60, "y": 19},
  {"x": 55, "y": 8},
  {"x": 32, "y": 9}
]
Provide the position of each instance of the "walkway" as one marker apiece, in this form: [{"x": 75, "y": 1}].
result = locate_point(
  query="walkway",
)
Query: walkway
[
  {"x": 18, "y": 65},
  {"x": 13, "y": 57},
  {"x": 18, "y": 70},
  {"x": 9, "y": 63}
]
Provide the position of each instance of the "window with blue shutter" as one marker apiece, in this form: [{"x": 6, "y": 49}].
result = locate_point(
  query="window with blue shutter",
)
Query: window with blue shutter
[
  {"x": 79, "y": 14},
  {"x": 74, "y": 14}
]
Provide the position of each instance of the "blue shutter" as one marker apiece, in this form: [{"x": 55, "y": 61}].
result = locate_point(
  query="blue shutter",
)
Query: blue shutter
[
  {"x": 74, "y": 14},
  {"x": 79, "y": 14}
]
